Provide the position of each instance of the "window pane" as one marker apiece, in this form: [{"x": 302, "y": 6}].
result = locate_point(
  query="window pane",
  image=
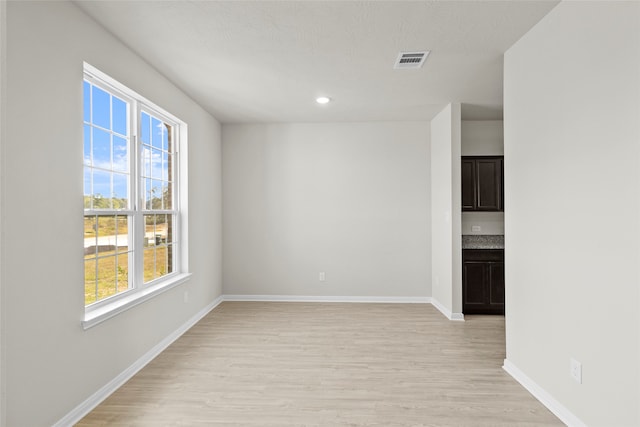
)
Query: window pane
[
  {"x": 158, "y": 254},
  {"x": 149, "y": 264},
  {"x": 166, "y": 195},
  {"x": 101, "y": 108},
  {"x": 153, "y": 194},
  {"x": 149, "y": 230},
  {"x": 169, "y": 258},
  {"x": 120, "y": 154},
  {"x": 107, "y": 233},
  {"x": 86, "y": 95},
  {"x": 165, "y": 167},
  {"x": 106, "y": 276},
  {"x": 166, "y": 136},
  {"x": 101, "y": 149},
  {"x": 90, "y": 236},
  {"x": 121, "y": 233},
  {"x": 90, "y": 281},
  {"x": 148, "y": 193},
  {"x": 146, "y": 162},
  {"x": 161, "y": 229},
  {"x": 106, "y": 256},
  {"x": 119, "y": 116},
  {"x": 158, "y": 229},
  {"x": 101, "y": 190},
  {"x": 157, "y": 131},
  {"x": 120, "y": 191},
  {"x": 87, "y": 144},
  {"x": 122, "y": 268},
  {"x": 145, "y": 132},
  {"x": 170, "y": 244},
  {"x": 161, "y": 261},
  {"x": 156, "y": 191},
  {"x": 170, "y": 234},
  {"x": 156, "y": 163},
  {"x": 87, "y": 188}
]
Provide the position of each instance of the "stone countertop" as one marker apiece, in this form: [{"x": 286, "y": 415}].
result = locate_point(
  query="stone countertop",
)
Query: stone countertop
[{"x": 482, "y": 241}]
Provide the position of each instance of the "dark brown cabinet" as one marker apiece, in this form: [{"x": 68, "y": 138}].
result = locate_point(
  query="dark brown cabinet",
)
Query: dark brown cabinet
[
  {"x": 483, "y": 281},
  {"x": 482, "y": 183}
]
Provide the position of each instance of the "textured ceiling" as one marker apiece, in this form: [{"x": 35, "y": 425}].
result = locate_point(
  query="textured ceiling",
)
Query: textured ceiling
[{"x": 267, "y": 61}]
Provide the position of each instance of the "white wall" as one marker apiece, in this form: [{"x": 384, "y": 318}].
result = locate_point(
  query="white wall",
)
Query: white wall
[
  {"x": 3, "y": 78},
  {"x": 490, "y": 223},
  {"x": 52, "y": 364},
  {"x": 483, "y": 138},
  {"x": 349, "y": 199},
  {"x": 446, "y": 252},
  {"x": 572, "y": 177}
]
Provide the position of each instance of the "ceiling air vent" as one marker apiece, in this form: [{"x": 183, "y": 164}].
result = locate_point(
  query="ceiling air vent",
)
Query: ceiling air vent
[{"x": 411, "y": 59}]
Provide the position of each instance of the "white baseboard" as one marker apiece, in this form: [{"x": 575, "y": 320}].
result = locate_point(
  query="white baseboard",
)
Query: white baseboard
[
  {"x": 444, "y": 310},
  {"x": 458, "y": 317},
  {"x": 543, "y": 396},
  {"x": 96, "y": 398},
  {"x": 311, "y": 298},
  {"x": 358, "y": 299}
]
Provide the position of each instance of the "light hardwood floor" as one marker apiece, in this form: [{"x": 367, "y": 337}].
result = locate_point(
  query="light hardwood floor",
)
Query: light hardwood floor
[{"x": 328, "y": 364}]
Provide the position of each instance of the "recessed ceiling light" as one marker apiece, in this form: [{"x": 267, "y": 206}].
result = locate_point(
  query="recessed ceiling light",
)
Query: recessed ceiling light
[{"x": 323, "y": 100}]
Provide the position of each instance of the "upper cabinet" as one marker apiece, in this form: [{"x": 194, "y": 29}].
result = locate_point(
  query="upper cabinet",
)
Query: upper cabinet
[{"x": 482, "y": 183}]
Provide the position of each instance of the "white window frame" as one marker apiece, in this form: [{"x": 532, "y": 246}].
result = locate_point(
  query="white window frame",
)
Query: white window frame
[{"x": 139, "y": 291}]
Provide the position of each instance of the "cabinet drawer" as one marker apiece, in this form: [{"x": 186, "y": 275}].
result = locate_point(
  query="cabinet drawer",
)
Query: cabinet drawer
[{"x": 483, "y": 255}]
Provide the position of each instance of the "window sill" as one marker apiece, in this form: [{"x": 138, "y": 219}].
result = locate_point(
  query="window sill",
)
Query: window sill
[{"x": 108, "y": 311}]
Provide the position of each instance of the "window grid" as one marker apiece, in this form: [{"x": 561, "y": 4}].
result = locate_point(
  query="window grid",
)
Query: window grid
[
  {"x": 159, "y": 248},
  {"x": 108, "y": 254},
  {"x": 157, "y": 192},
  {"x": 94, "y": 167},
  {"x": 157, "y": 162},
  {"x": 149, "y": 253}
]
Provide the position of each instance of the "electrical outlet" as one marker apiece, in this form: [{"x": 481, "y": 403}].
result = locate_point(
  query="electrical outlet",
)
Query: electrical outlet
[
  {"x": 321, "y": 276},
  {"x": 186, "y": 296},
  {"x": 575, "y": 370},
  {"x": 476, "y": 228}
]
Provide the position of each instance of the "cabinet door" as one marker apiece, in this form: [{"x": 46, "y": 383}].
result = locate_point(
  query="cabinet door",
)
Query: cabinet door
[
  {"x": 468, "y": 185},
  {"x": 483, "y": 281},
  {"x": 474, "y": 286},
  {"x": 489, "y": 184},
  {"x": 496, "y": 286}
]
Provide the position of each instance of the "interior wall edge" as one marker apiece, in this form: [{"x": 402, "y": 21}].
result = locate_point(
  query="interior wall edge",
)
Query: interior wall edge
[
  {"x": 3, "y": 52},
  {"x": 557, "y": 408}
]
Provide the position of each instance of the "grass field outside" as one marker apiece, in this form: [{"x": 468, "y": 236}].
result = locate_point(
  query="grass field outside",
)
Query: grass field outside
[
  {"x": 112, "y": 269},
  {"x": 106, "y": 270},
  {"x": 105, "y": 225}
]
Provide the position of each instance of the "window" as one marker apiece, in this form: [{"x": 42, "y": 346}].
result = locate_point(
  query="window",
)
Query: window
[{"x": 132, "y": 197}]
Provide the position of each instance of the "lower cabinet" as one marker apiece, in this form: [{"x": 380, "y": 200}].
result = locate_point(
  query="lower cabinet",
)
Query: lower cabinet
[{"x": 483, "y": 281}]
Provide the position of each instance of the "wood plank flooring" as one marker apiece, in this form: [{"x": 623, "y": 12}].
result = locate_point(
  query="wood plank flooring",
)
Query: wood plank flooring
[{"x": 327, "y": 364}]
